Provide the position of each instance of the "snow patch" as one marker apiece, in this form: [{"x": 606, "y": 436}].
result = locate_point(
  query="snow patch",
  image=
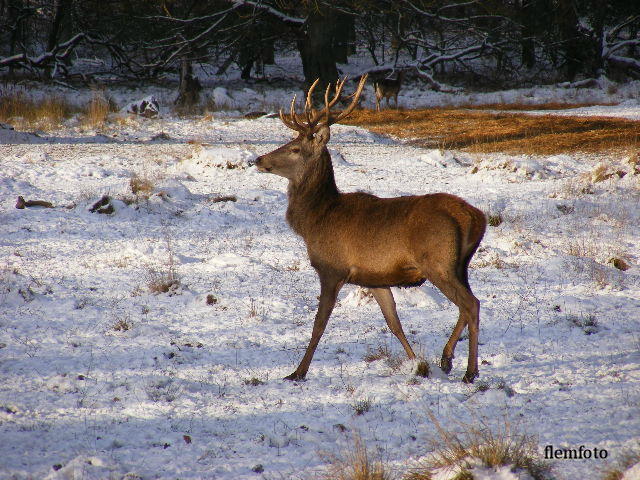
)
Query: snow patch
[
  {"x": 632, "y": 473},
  {"x": 443, "y": 159},
  {"x": 222, "y": 98},
  {"x": 229, "y": 158}
]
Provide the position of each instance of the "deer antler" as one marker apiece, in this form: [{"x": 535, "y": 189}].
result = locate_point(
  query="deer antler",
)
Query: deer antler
[
  {"x": 313, "y": 117},
  {"x": 347, "y": 111}
]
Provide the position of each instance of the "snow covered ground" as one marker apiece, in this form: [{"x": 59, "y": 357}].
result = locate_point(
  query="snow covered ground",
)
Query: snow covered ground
[{"x": 100, "y": 377}]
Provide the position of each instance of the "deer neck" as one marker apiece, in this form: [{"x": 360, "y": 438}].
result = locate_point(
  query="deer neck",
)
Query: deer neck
[{"x": 312, "y": 195}]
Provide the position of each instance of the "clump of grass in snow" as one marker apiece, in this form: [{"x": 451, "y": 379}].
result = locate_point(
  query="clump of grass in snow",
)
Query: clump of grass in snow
[
  {"x": 122, "y": 324},
  {"x": 494, "y": 219},
  {"x": 588, "y": 323},
  {"x": 96, "y": 111},
  {"x": 166, "y": 279},
  {"x": 362, "y": 406},
  {"x": 162, "y": 390},
  {"x": 479, "y": 447},
  {"x": 483, "y": 386},
  {"x": 383, "y": 352},
  {"x": 380, "y": 353},
  {"x": 163, "y": 281},
  {"x": 356, "y": 464},
  {"x": 141, "y": 185}
]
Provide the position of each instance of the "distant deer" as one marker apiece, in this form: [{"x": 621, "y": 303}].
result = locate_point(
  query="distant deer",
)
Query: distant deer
[
  {"x": 387, "y": 88},
  {"x": 374, "y": 242}
]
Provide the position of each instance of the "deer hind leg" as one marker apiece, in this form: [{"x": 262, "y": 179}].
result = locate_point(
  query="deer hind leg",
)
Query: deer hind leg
[
  {"x": 458, "y": 291},
  {"x": 377, "y": 102},
  {"x": 387, "y": 304},
  {"x": 329, "y": 289}
]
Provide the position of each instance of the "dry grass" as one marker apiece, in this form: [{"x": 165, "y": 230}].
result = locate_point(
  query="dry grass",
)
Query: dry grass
[
  {"x": 356, "y": 464},
  {"x": 479, "y": 445},
  {"x": 141, "y": 185},
  {"x": 529, "y": 107},
  {"x": 383, "y": 352},
  {"x": 481, "y": 131},
  {"x": 163, "y": 281},
  {"x": 22, "y": 111},
  {"x": 96, "y": 111}
]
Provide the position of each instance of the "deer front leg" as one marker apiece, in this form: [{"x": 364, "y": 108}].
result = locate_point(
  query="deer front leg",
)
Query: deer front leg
[
  {"x": 329, "y": 289},
  {"x": 387, "y": 304}
]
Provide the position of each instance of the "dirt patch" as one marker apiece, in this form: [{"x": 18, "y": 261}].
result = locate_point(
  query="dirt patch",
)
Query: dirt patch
[{"x": 481, "y": 131}]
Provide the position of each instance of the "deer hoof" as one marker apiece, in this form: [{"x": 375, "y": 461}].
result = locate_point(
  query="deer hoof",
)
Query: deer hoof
[
  {"x": 470, "y": 377},
  {"x": 295, "y": 377},
  {"x": 446, "y": 364}
]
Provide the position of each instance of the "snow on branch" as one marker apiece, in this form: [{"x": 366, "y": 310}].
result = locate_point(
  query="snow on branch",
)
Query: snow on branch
[
  {"x": 455, "y": 20},
  {"x": 259, "y": 5},
  {"x": 194, "y": 19},
  {"x": 625, "y": 62},
  {"x": 58, "y": 53},
  {"x": 612, "y": 45}
]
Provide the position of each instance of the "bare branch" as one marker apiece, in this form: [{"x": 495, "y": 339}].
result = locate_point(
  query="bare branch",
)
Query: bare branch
[{"x": 258, "y": 5}]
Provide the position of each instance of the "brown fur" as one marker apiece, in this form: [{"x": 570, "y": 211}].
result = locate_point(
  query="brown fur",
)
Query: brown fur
[
  {"x": 378, "y": 243},
  {"x": 387, "y": 88}
]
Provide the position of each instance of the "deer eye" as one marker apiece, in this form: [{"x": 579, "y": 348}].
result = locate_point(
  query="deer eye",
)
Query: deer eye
[{"x": 295, "y": 149}]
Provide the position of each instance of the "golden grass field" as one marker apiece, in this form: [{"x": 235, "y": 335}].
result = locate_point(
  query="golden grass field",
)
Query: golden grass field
[{"x": 489, "y": 131}]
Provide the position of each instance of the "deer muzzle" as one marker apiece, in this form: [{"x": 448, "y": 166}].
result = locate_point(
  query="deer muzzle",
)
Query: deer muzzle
[{"x": 262, "y": 165}]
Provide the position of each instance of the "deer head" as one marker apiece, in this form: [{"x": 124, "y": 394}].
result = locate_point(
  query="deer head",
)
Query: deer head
[{"x": 290, "y": 160}]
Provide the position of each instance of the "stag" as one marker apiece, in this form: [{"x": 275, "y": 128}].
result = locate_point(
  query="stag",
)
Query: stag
[{"x": 373, "y": 242}]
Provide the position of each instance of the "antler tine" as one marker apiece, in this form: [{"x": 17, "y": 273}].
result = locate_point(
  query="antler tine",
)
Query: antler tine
[
  {"x": 354, "y": 102},
  {"x": 292, "y": 122},
  {"x": 295, "y": 122},
  {"x": 355, "y": 96},
  {"x": 336, "y": 96},
  {"x": 309, "y": 111},
  {"x": 309, "y": 103},
  {"x": 326, "y": 101},
  {"x": 328, "y": 104}
]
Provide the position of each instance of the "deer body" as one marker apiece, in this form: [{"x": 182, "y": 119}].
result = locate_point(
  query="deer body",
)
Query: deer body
[
  {"x": 374, "y": 242},
  {"x": 387, "y": 88}
]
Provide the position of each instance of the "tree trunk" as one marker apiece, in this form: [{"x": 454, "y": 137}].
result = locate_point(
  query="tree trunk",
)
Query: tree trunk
[
  {"x": 189, "y": 89},
  {"x": 599, "y": 13},
  {"x": 15, "y": 10},
  {"x": 344, "y": 31},
  {"x": 316, "y": 51},
  {"x": 61, "y": 8},
  {"x": 528, "y": 17},
  {"x": 570, "y": 36}
]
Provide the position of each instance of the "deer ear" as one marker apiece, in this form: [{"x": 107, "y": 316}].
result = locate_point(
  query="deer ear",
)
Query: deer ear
[{"x": 321, "y": 137}]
